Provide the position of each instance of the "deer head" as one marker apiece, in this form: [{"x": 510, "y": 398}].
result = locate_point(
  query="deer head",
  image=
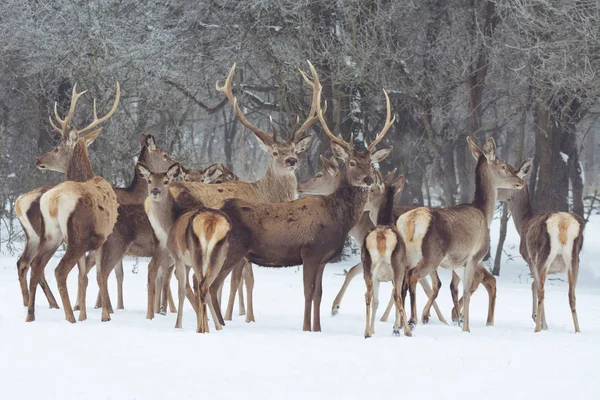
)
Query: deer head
[
  {"x": 59, "y": 158},
  {"x": 158, "y": 181},
  {"x": 499, "y": 174},
  {"x": 324, "y": 181},
  {"x": 152, "y": 156},
  {"x": 507, "y": 195},
  {"x": 379, "y": 190},
  {"x": 359, "y": 170},
  {"x": 284, "y": 152}
]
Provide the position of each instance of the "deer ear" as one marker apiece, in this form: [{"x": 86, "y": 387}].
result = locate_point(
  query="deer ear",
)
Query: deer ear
[
  {"x": 525, "y": 168},
  {"x": 150, "y": 142},
  {"x": 399, "y": 183},
  {"x": 475, "y": 150},
  {"x": 302, "y": 144},
  {"x": 211, "y": 170},
  {"x": 489, "y": 149},
  {"x": 174, "y": 171},
  {"x": 380, "y": 155},
  {"x": 390, "y": 176},
  {"x": 142, "y": 170},
  {"x": 142, "y": 139},
  {"x": 90, "y": 137},
  {"x": 330, "y": 166},
  {"x": 339, "y": 151}
]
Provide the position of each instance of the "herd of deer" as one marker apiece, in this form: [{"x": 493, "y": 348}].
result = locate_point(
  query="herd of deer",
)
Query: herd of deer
[{"x": 214, "y": 223}]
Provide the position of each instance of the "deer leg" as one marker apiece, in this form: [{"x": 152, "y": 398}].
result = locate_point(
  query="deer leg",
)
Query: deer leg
[
  {"x": 368, "y": 299},
  {"x": 158, "y": 285},
  {"x": 467, "y": 284},
  {"x": 157, "y": 261},
  {"x": 236, "y": 281},
  {"x": 534, "y": 297},
  {"x": 181, "y": 275},
  {"x": 120, "y": 274},
  {"x": 108, "y": 257},
  {"x": 437, "y": 284},
  {"x": 412, "y": 290},
  {"x": 540, "y": 296},
  {"x": 46, "y": 250},
  {"x": 489, "y": 283},
  {"x": 428, "y": 291},
  {"x": 248, "y": 275},
  {"x": 399, "y": 293},
  {"x": 573, "y": 271},
  {"x": 388, "y": 309},
  {"x": 65, "y": 266},
  {"x": 192, "y": 295},
  {"x": 309, "y": 273},
  {"x": 167, "y": 288},
  {"x": 240, "y": 292},
  {"x": 454, "y": 293},
  {"x": 23, "y": 267},
  {"x": 83, "y": 283},
  {"x": 317, "y": 296},
  {"x": 351, "y": 274}
]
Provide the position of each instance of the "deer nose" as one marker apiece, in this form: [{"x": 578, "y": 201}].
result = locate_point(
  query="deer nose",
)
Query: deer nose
[
  {"x": 155, "y": 192},
  {"x": 291, "y": 161},
  {"x": 369, "y": 180}
]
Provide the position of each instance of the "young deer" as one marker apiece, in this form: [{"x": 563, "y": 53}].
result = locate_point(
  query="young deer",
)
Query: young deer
[
  {"x": 215, "y": 173},
  {"x": 279, "y": 182},
  {"x": 383, "y": 253},
  {"x": 310, "y": 231},
  {"x": 194, "y": 237},
  {"x": 323, "y": 183},
  {"x": 456, "y": 236},
  {"x": 81, "y": 213},
  {"x": 550, "y": 244}
]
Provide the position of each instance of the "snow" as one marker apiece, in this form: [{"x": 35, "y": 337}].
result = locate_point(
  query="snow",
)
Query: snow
[
  {"x": 134, "y": 358},
  {"x": 565, "y": 157}
]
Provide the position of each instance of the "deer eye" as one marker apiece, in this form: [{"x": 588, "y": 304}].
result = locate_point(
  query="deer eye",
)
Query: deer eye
[
  {"x": 56, "y": 150},
  {"x": 166, "y": 182},
  {"x": 319, "y": 175},
  {"x": 165, "y": 156},
  {"x": 274, "y": 153},
  {"x": 352, "y": 164},
  {"x": 504, "y": 168},
  {"x": 149, "y": 180}
]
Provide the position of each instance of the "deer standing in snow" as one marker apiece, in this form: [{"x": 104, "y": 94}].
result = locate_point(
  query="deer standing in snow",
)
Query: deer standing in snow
[{"x": 457, "y": 236}]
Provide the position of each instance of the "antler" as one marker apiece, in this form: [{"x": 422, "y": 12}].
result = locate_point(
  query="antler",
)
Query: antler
[
  {"x": 226, "y": 90},
  {"x": 65, "y": 122},
  {"x": 388, "y": 123},
  {"x": 97, "y": 121},
  {"x": 312, "y": 115},
  {"x": 338, "y": 140}
]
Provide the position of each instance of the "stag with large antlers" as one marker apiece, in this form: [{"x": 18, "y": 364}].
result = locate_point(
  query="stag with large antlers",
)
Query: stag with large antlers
[
  {"x": 279, "y": 182},
  {"x": 81, "y": 213},
  {"x": 310, "y": 231}
]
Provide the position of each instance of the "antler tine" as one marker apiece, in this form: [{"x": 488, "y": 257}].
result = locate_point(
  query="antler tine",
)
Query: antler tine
[
  {"x": 226, "y": 90},
  {"x": 388, "y": 123},
  {"x": 312, "y": 115},
  {"x": 390, "y": 176},
  {"x": 333, "y": 138},
  {"x": 65, "y": 122},
  {"x": 273, "y": 128},
  {"x": 97, "y": 121}
]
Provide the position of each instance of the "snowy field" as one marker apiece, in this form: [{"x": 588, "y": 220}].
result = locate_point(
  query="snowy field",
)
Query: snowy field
[{"x": 134, "y": 358}]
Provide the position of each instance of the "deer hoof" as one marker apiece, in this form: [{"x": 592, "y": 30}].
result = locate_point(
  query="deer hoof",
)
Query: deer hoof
[
  {"x": 425, "y": 319},
  {"x": 163, "y": 312},
  {"x": 396, "y": 331},
  {"x": 412, "y": 325},
  {"x": 335, "y": 310}
]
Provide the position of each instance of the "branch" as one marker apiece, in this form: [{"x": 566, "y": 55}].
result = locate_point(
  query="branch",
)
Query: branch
[{"x": 186, "y": 93}]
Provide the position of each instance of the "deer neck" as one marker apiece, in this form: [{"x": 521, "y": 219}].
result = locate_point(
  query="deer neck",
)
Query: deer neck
[
  {"x": 385, "y": 213},
  {"x": 347, "y": 203},
  {"x": 485, "y": 192},
  {"x": 79, "y": 168},
  {"x": 138, "y": 188},
  {"x": 162, "y": 215},
  {"x": 520, "y": 208},
  {"x": 276, "y": 187}
]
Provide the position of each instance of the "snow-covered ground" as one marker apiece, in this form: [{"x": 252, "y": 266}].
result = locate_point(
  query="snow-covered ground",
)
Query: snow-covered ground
[{"x": 134, "y": 358}]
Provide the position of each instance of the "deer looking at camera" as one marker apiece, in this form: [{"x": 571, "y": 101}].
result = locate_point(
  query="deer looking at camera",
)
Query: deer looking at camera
[
  {"x": 81, "y": 213},
  {"x": 279, "y": 182},
  {"x": 323, "y": 183},
  {"x": 196, "y": 237},
  {"x": 382, "y": 255},
  {"x": 550, "y": 244},
  {"x": 310, "y": 231},
  {"x": 456, "y": 236}
]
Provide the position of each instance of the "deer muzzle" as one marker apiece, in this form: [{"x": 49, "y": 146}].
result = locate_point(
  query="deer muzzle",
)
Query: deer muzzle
[
  {"x": 369, "y": 180},
  {"x": 155, "y": 192},
  {"x": 291, "y": 161}
]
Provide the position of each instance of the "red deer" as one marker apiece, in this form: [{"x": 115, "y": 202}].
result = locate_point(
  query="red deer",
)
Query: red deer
[
  {"x": 81, "y": 213},
  {"x": 550, "y": 244},
  {"x": 310, "y": 231},
  {"x": 324, "y": 182},
  {"x": 382, "y": 255},
  {"x": 195, "y": 237},
  {"x": 279, "y": 182},
  {"x": 456, "y": 236}
]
